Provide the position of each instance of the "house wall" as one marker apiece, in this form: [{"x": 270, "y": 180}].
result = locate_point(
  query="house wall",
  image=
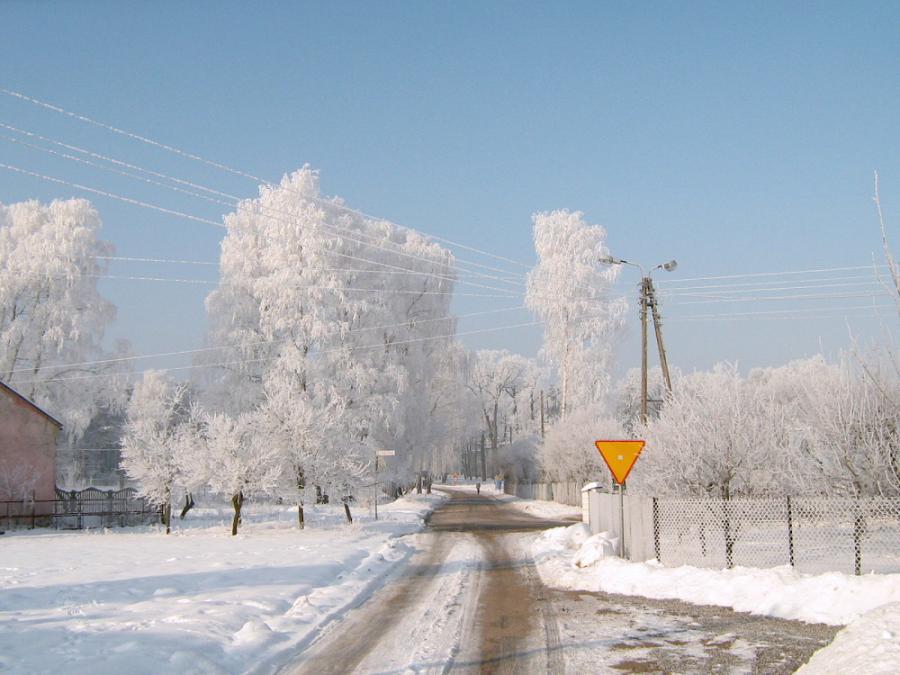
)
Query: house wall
[{"x": 27, "y": 450}]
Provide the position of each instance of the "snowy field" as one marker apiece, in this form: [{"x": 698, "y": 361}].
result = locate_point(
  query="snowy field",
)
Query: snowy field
[
  {"x": 199, "y": 600},
  {"x": 869, "y": 605}
]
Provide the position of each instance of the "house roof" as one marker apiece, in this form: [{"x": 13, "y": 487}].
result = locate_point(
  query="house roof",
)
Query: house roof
[{"x": 30, "y": 403}]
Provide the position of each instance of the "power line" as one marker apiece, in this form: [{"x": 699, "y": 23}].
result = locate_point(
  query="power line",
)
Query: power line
[
  {"x": 380, "y": 345},
  {"x": 201, "y": 350},
  {"x": 235, "y": 204},
  {"x": 762, "y": 285},
  {"x": 136, "y": 202},
  {"x": 816, "y": 296},
  {"x": 237, "y": 201},
  {"x": 770, "y": 274},
  {"x": 795, "y": 313},
  {"x": 111, "y": 195},
  {"x": 157, "y": 260},
  {"x": 237, "y": 172},
  {"x": 860, "y": 313},
  {"x": 719, "y": 294},
  {"x": 507, "y": 293},
  {"x": 386, "y": 291}
]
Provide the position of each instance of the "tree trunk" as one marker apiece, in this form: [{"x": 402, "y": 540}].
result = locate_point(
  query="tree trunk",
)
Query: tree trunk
[
  {"x": 300, "y": 521},
  {"x": 237, "y": 501},
  {"x": 167, "y": 512},
  {"x": 347, "y": 512},
  {"x": 188, "y": 505},
  {"x": 495, "y": 440}
]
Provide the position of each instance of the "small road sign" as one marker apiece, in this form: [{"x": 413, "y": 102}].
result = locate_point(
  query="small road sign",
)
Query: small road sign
[
  {"x": 385, "y": 453},
  {"x": 620, "y": 456}
]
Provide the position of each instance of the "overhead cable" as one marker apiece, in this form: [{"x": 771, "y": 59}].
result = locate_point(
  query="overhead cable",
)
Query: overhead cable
[{"x": 232, "y": 170}]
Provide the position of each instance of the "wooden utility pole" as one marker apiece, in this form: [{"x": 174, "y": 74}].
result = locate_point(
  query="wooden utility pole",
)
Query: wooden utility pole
[
  {"x": 645, "y": 297},
  {"x": 483, "y": 469},
  {"x": 542, "y": 413},
  {"x": 657, "y": 326},
  {"x": 648, "y": 297}
]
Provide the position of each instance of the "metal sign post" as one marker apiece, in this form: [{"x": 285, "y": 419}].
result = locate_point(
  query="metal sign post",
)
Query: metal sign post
[{"x": 620, "y": 457}]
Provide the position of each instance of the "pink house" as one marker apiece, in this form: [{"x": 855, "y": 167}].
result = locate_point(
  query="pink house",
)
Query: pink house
[{"x": 27, "y": 448}]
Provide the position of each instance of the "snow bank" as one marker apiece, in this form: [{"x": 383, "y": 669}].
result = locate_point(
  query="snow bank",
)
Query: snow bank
[
  {"x": 534, "y": 507},
  {"x": 871, "y": 645},
  {"x": 200, "y": 601},
  {"x": 567, "y": 559}
]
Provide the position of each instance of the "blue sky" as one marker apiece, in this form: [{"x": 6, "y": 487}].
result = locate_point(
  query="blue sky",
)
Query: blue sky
[{"x": 738, "y": 139}]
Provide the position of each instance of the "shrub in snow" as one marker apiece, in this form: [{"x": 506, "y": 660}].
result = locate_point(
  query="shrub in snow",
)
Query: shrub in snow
[{"x": 568, "y": 451}]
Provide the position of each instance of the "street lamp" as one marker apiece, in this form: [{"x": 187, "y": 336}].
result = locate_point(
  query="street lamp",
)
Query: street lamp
[{"x": 648, "y": 299}]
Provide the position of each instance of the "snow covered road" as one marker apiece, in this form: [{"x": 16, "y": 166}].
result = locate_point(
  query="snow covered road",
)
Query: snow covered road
[
  {"x": 472, "y": 601},
  {"x": 463, "y": 603}
]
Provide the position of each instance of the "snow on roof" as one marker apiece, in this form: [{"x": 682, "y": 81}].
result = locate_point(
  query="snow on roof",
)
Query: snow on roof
[{"x": 31, "y": 403}]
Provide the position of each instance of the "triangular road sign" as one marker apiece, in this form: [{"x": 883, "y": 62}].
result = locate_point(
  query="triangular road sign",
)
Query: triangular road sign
[{"x": 620, "y": 456}]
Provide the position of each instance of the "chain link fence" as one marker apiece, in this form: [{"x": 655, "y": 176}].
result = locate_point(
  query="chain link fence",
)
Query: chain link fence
[{"x": 813, "y": 534}]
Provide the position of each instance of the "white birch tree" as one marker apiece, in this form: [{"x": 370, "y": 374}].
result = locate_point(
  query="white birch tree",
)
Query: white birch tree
[
  {"x": 570, "y": 291},
  {"x": 52, "y": 318}
]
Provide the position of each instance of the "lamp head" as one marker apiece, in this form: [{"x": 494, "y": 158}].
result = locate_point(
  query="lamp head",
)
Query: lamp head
[
  {"x": 609, "y": 260},
  {"x": 670, "y": 266}
]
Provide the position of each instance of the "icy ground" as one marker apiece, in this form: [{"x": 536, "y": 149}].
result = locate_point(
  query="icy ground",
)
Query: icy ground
[
  {"x": 570, "y": 558},
  {"x": 135, "y": 600}
]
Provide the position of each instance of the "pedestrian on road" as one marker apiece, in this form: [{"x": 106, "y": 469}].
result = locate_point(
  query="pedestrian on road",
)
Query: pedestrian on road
[{"x": 478, "y": 488}]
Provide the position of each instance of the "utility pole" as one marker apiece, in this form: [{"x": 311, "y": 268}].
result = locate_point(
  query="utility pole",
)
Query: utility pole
[
  {"x": 648, "y": 299},
  {"x": 644, "y": 302},
  {"x": 542, "y": 414},
  {"x": 657, "y": 325},
  {"x": 483, "y": 469}
]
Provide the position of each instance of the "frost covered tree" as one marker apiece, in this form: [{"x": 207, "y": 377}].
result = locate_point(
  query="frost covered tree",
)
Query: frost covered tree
[
  {"x": 157, "y": 407},
  {"x": 494, "y": 377},
  {"x": 569, "y": 291},
  {"x": 628, "y": 395},
  {"x": 244, "y": 464},
  {"x": 51, "y": 314},
  {"x": 849, "y": 432},
  {"x": 710, "y": 439},
  {"x": 330, "y": 323},
  {"x": 568, "y": 452}
]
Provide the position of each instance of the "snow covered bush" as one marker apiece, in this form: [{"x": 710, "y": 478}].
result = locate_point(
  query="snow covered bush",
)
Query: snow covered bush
[
  {"x": 808, "y": 427},
  {"x": 568, "y": 452}
]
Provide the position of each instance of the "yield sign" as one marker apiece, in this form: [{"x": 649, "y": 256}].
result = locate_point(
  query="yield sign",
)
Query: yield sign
[{"x": 620, "y": 456}]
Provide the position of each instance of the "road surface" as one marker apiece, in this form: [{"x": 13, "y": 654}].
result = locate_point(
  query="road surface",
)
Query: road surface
[{"x": 471, "y": 602}]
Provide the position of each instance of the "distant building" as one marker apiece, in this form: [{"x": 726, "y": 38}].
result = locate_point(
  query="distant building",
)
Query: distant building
[{"x": 28, "y": 437}]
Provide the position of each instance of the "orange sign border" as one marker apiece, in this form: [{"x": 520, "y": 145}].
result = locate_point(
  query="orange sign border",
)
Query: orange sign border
[{"x": 633, "y": 462}]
